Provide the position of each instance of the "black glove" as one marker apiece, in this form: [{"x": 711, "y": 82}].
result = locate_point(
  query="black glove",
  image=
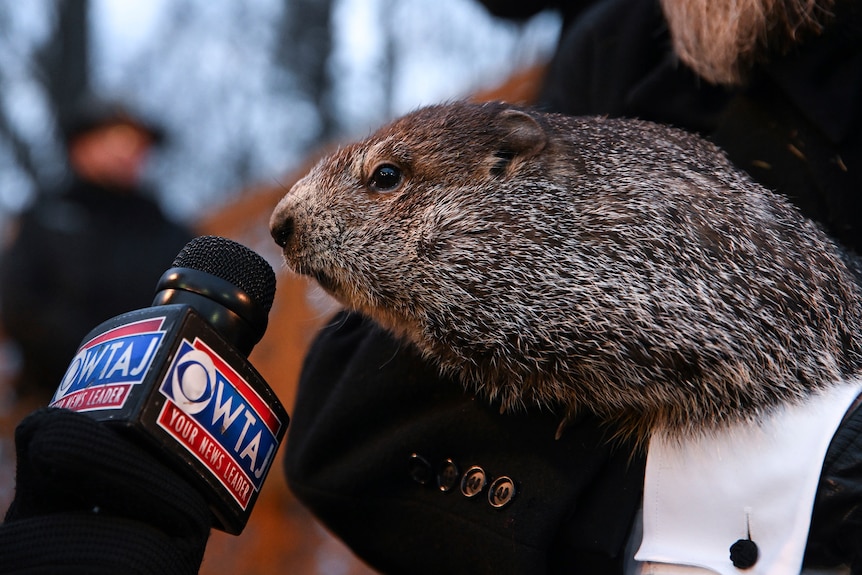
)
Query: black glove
[{"x": 89, "y": 501}]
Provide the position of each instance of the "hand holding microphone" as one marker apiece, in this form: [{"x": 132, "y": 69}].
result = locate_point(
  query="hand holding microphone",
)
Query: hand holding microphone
[{"x": 174, "y": 431}]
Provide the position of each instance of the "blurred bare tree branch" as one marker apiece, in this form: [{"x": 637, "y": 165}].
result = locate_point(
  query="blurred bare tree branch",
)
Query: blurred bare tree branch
[{"x": 245, "y": 89}]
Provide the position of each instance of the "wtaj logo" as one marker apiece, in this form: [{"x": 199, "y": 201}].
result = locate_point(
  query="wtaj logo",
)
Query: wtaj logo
[
  {"x": 218, "y": 417},
  {"x": 102, "y": 373}
]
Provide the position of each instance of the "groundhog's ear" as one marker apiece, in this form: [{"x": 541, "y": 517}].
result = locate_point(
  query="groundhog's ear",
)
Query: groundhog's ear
[
  {"x": 523, "y": 138},
  {"x": 523, "y": 134}
]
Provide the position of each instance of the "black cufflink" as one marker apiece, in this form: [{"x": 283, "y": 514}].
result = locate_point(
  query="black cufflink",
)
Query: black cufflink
[{"x": 744, "y": 553}]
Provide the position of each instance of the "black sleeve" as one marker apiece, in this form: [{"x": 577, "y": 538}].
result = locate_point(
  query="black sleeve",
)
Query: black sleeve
[
  {"x": 379, "y": 446},
  {"x": 89, "y": 501},
  {"x": 835, "y": 534}
]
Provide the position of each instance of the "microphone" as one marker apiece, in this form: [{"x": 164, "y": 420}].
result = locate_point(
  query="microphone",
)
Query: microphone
[{"x": 176, "y": 376}]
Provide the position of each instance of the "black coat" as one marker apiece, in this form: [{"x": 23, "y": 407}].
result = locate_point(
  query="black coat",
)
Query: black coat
[
  {"x": 374, "y": 427},
  {"x": 375, "y": 431}
]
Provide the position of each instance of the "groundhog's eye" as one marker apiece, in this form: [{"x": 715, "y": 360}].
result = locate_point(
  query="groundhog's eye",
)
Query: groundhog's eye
[{"x": 385, "y": 178}]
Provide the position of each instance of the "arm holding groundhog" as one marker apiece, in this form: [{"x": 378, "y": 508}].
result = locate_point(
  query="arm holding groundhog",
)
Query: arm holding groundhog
[{"x": 382, "y": 445}]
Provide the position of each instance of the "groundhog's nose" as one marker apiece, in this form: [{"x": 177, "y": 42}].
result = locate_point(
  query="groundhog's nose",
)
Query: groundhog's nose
[{"x": 281, "y": 230}]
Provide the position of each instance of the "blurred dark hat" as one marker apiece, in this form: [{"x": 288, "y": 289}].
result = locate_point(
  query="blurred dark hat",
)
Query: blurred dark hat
[{"x": 92, "y": 112}]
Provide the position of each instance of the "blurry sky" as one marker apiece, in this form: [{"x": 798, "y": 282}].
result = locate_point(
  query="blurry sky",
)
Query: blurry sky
[
  {"x": 121, "y": 29},
  {"x": 204, "y": 68}
]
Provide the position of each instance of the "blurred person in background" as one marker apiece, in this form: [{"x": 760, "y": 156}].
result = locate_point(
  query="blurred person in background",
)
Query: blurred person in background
[{"x": 89, "y": 251}]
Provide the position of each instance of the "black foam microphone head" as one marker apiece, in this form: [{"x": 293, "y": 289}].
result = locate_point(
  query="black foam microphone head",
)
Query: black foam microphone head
[
  {"x": 232, "y": 286},
  {"x": 234, "y": 263}
]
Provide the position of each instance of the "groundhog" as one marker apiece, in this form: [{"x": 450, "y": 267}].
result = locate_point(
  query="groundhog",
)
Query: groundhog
[{"x": 613, "y": 265}]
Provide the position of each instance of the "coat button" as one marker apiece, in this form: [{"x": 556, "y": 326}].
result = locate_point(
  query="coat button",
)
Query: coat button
[
  {"x": 447, "y": 479},
  {"x": 473, "y": 482},
  {"x": 501, "y": 492},
  {"x": 419, "y": 469}
]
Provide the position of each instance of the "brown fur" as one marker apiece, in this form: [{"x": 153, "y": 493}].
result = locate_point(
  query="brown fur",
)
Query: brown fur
[
  {"x": 614, "y": 265},
  {"x": 720, "y": 39}
]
